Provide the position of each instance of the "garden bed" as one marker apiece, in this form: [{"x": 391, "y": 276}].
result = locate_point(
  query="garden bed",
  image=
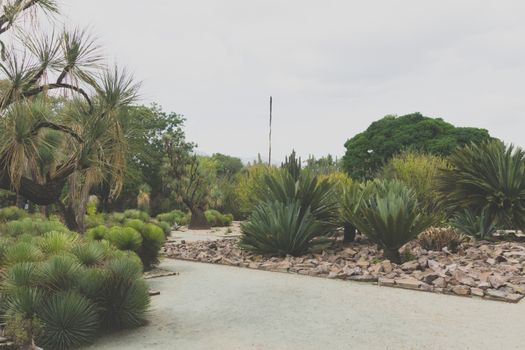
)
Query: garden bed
[{"x": 481, "y": 269}]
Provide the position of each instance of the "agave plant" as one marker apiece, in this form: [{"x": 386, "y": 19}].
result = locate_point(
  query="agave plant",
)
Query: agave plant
[
  {"x": 284, "y": 228},
  {"x": 307, "y": 191},
  {"x": 390, "y": 217},
  {"x": 479, "y": 226},
  {"x": 487, "y": 177}
]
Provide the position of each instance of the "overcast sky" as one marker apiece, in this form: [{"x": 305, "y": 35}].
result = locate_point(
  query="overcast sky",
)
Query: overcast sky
[{"x": 332, "y": 67}]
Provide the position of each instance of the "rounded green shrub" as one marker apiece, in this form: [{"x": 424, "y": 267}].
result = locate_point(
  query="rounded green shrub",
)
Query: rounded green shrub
[
  {"x": 90, "y": 253},
  {"x": 55, "y": 242},
  {"x": 60, "y": 273},
  {"x": 12, "y": 213},
  {"x": 152, "y": 240},
  {"x": 97, "y": 233},
  {"x": 136, "y": 224},
  {"x": 22, "y": 252},
  {"x": 124, "y": 238},
  {"x": 33, "y": 226},
  {"x": 70, "y": 319},
  {"x": 136, "y": 214}
]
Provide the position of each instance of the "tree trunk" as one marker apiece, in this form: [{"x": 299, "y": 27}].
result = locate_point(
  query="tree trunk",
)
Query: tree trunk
[
  {"x": 198, "y": 220},
  {"x": 392, "y": 255},
  {"x": 349, "y": 232},
  {"x": 69, "y": 216}
]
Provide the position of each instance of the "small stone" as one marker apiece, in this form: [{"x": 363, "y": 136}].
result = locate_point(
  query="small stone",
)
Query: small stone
[
  {"x": 409, "y": 283},
  {"x": 516, "y": 288},
  {"x": 363, "y": 263},
  {"x": 363, "y": 278},
  {"x": 3, "y": 339},
  {"x": 410, "y": 265},
  {"x": 382, "y": 281},
  {"x": 461, "y": 290},
  {"x": 333, "y": 274},
  {"x": 429, "y": 278},
  {"x": 496, "y": 281},
  {"x": 439, "y": 282},
  {"x": 513, "y": 297},
  {"x": 491, "y": 261},
  {"x": 495, "y": 294},
  {"x": 153, "y": 292},
  {"x": 387, "y": 266},
  {"x": 477, "y": 292},
  {"x": 484, "y": 285}
]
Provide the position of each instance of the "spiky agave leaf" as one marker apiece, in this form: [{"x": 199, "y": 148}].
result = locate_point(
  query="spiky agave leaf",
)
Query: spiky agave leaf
[
  {"x": 390, "y": 217},
  {"x": 283, "y": 228},
  {"x": 70, "y": 320},
  {"x": 489, "y": 176}
]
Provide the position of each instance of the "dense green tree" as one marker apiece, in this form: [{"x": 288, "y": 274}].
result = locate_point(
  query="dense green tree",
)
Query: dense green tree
[{"x": 366, "y": 152}]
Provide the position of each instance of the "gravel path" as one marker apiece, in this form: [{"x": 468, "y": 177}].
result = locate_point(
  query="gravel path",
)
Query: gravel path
[{"x": 220, "y": 307}]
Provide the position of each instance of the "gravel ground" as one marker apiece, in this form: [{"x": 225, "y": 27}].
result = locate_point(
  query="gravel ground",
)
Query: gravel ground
[{"x": 221, "y": 307}]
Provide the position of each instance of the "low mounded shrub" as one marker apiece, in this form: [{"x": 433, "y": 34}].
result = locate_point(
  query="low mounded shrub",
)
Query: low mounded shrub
[
  {"x": 478, "y": 226},
  {"x": 67, "y": 290},
  {"x": 124, "y": 238},
  {"x": 12, "y": 213},
  {"x": 437, "y": 238},
  {"x": 34, "y": 226},
  {"x": 215, "y": 218}
]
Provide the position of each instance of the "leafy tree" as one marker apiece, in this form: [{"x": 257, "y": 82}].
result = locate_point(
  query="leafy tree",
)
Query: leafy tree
[{"x": 368, "y": 151}]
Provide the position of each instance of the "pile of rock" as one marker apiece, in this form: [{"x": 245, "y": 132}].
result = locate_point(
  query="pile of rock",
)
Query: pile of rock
[{"x": 482, "y": 269}]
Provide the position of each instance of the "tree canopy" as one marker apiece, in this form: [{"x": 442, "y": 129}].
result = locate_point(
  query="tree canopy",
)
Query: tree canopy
[{"x": 366, "y": 152}]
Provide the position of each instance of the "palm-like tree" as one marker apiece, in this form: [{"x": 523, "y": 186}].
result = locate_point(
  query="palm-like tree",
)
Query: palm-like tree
[{"x": 62, "y": 114}]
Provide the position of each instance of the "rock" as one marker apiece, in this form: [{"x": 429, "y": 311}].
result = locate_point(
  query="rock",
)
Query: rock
[
  {"x": 333, "y": 274},
  {"x": 513, "y": 298},
  {"x": 467, "y": 280},
  {"x": 461, "y": 290},
  {"x": 387, "y": 266},
  {"x": 429, "y": 278},
  {"x": 496, "y": 281},
  {"x": 382, "y": 281},
  {"x": 516, "y": 288},
  {"x": 363, "y": 263},
  {"x": 484, "y": 285},
  {"x": 495, "y": 294},
  {"x": 153, "y": 292},
  {"x": 410, "y": 283},
  {"x": 423, "y": 262},
  {"x": 3, "y": 339},
  {"x": 363, "y": 278},
  {"x": 477, "y": 292},
  {"x": 410, "y": 265},
  {"x": 491, "y": 261},
  {"x": 439, "y": 282}
]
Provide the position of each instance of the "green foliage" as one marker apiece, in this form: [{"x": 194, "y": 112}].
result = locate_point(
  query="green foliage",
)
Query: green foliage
[
  {"x": 488, "y": 177},
  {"x": 73, "y": 295},
  {"x": 283, "y": 228},
  {"x": 22, "y": 251},
  {"x": 389, "y": 216},
  {"x": 136, "y": 214},
  {"x": 152, "y": 241},
  {"x": 322, "y": 166},
  {"x": 310, "y": 192},
  {"x": 125, "y": 238},
  {"x": 418, "y": 171},
  {"x": 294, "y": 217},
  {"x": 368, "y": 151},
  {"x": 34, "y": 226},
  {"x": 215, "y": 218},
  {"x": 12, "y": 213},
  {"x": 480, "y": 226},
  {"x": 292, "y": 165},
  {"x": 248, "y": 183},
  {"x": 174, "y": 217},
  {"x": 135, "y": 224},
  {"x": 98, "y": 233},
  {"x": 70, "y": 320}
]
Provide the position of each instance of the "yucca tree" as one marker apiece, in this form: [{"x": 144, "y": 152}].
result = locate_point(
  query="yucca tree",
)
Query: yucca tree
[
  {"x": 61, "y": 114},
  {"x": 489, "y": 178}
]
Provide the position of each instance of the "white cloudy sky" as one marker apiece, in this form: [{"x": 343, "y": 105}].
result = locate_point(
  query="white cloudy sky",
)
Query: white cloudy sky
[{"x": 332, "y": 66}]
